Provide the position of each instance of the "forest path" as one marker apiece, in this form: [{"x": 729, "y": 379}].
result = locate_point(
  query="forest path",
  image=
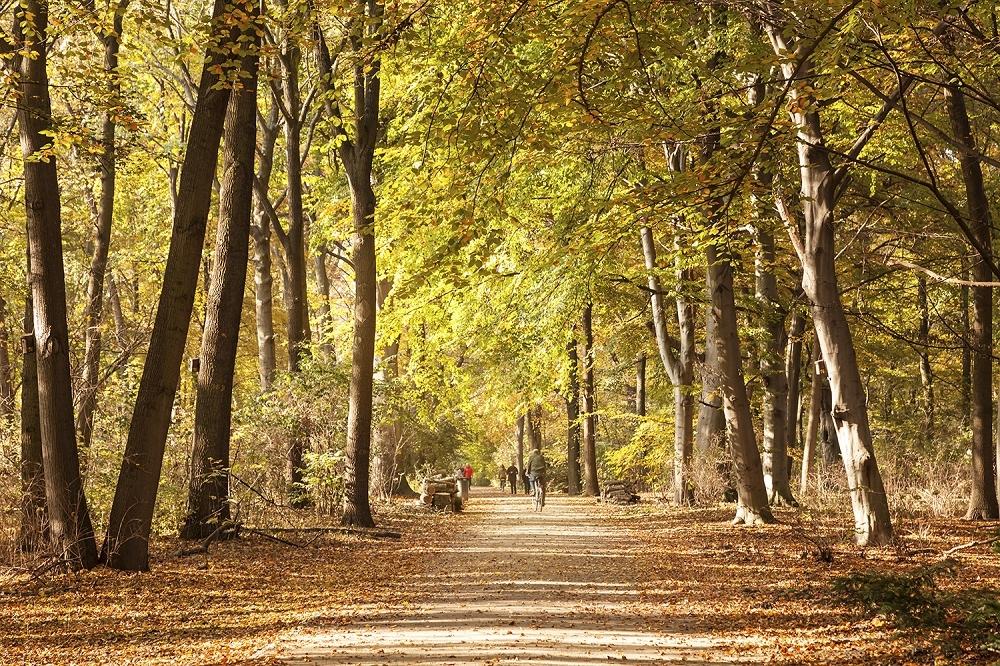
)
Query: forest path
[{"x": 557, "y": 587}]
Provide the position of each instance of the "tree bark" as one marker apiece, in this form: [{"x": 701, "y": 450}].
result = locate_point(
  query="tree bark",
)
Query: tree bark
[
  {"x": 208, "y": 493},
  {"x": 34, "y": 532},
  {"x": 535, "y": 427},
  {"x": 357, "y": 510},
  {"x": 6, "y": 371},
  {"x": 126, "y": 545},
  {"x": 591, "y": 487},
  {"x": 358, "y": 154},
  {"x": 640, "y": 384},
  {"x": 262, "y": 274},
  {"x": 817, "y": 250},
  {"x": 772, "y": 371},
  {"x": 812, "y": 426},
  {"x": 388, "y": 431},
  {"x": 983, "y": 499},
  {"x": 679, "y": 368},
  {"x": 519, "y": 438},
  {"x": 573, "y": 420},
  {"x": 711, "y": 417},
  {"x": 325, "y": 321},
  {"x": 70, "y": 527},
  {"x": 93, "y": 310},
  {"x": 926, "y": 375},
  {"x": 793, "y": 373},
  {"x": 752, "y": 504},
  {"x": 966, "y": 387}
]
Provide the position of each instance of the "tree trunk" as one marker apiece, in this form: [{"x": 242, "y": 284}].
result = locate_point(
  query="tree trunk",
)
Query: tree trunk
[
  {"x": 93, "y": 310},
  {"x": 388, "y": 430},
  {"x": 817, "y": 251},
  {"x": 519, "y": 437},
  {"x": 208, "y": 494},
  {"x": 263, "y": 281},
  {"x": 590, "y": 484},
  {"x": 983, "y": 500},
  {"x": 69, "y": 518},
  {"x": 812, "y": 426},
  {"x": 357, "y": 510},
  {"x": 772, "y": 371},
  {"x": 573, "y": 421},
  {"x": 126, "y": 545},
  {"x": 926, "y": 376},
  {"x": 711, "y": 417},
  {"x": 325, "y": 322},
  {"x": 358, "y": 154},
  {"x": 679, "y": 368},
  {"x": 752, "y": 506},
  {"x": 34, "y": 532},
  {"x": 640, "y": 384},
  {"x": 6, "y": 371},
  {"x": 793, "y": 374},
  {"x": 535, "y": 427},
  {"x": 966, "y": 388}
]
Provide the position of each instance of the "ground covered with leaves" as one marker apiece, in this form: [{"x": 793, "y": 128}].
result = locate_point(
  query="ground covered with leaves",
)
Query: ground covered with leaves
[
  {"x": 801, "y": 592},
  {"x": 648, "y": 584},
  {"x": 225, "y": 606}
]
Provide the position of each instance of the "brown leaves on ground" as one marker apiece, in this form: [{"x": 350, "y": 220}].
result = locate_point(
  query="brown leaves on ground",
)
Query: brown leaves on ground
[
  {"x": 769, "y": 589},
  {"x": 223, "y": 607}
]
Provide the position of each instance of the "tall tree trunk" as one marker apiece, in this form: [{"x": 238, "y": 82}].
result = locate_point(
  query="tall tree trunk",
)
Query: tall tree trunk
[
  {"x": 6, "y": 371},
  {"x": 34, "y": 532},
  {"x": 640, "y": 384},
  {"x": 793, "y": 374},
  {"x": 966, "y": 387},
  {"x": 357, "y": 510},
  {"x": 590, "y": 484},
  {"x": 752, "y": 506},
  {"x": 983, "y": 500},
  {"x": 324, "y": 319},
  {"x": 772, "y": 371},
  {"x": 535, "y": 427},
  {"x": 388, "y": 430},
  {"x": 519, "y": 439},
  {"x": 263, "y": 281},
  {"x": 93, "y": 310},
  {"x": 926, "y": 376},
  {"x": 126, "y": 545},
  {"x": 817, "y": 251},
  {"x": 812, "y": 425},
  {"x": 208, "y": 493},
  {"x": 358, "y": 154},
  {"x": 679, "y": 368},
  {"x": 573, "y": 420},
  {"x": 711, "y": 417},
  {"x": 69, "y": 518}
]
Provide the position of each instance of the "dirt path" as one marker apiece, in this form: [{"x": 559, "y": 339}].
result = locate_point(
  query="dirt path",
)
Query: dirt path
[{"x": 557, "y": 587}]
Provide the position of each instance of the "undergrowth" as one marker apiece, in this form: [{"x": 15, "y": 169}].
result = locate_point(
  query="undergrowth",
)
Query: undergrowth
[{"x": 959, "y": 621}]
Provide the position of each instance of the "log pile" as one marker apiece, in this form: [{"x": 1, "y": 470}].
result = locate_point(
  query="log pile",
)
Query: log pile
[
  {"x": 618, "y": 492},
  {"x": 441, "y": 492}
]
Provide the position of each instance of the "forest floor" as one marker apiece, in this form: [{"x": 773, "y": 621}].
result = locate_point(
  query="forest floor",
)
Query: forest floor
[{"x": 580, "y": 583}]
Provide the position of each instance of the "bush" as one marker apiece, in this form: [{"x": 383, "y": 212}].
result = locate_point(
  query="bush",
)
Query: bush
[{"x": 964, "y": 620}]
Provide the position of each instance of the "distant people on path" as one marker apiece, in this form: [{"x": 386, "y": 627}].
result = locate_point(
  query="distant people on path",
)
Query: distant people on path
[
  {"x": 512, "y": 479},
  {"x": 502, "y": 476},
  {"x": 536, "y": 471},
  {"x": 525, "y": 482},
  {"x": 467, "y": 472}
]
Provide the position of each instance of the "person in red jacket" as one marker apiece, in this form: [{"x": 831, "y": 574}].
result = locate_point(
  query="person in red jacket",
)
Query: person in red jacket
[{"x": 467, "y": 472}]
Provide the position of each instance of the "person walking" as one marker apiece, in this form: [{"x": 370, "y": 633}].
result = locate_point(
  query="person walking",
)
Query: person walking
[
  {"x": 512, "y": 479},
  {"x": 502, "y": 476}
]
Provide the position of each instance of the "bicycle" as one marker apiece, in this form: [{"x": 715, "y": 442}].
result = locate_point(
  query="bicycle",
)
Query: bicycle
[{"x": 537, "y": 493}]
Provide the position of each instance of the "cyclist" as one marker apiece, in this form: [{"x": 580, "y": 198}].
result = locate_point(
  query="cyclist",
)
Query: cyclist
[{"x": 536, "y": 470}]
